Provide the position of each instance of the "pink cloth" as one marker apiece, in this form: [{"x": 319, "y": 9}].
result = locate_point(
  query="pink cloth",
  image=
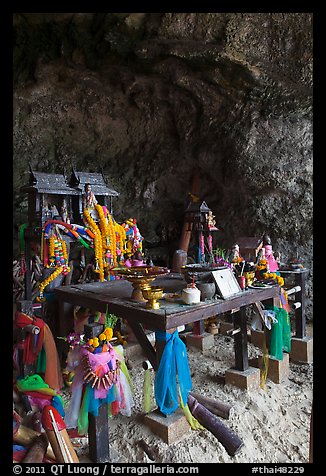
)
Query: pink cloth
[
  {"x": 137, "y": 262},
  {"x": 98, "y": 362}
]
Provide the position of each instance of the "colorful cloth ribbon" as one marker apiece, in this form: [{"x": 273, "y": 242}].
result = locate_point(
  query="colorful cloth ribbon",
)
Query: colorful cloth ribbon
[
  {"x": 85, "y": 399},
  {"x": 173, "y": 365},
  {"x": 35, "y": 346}
]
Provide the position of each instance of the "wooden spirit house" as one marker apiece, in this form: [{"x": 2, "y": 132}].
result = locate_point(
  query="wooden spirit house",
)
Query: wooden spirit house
[
  {"x": 49, "y": 197},
  {"x": 200, "y": 220},
  {"x": 99, "y": 187}
]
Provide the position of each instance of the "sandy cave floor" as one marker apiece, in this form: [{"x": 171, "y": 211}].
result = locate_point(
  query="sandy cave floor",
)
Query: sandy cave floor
[{"x": 274, "y": 423}]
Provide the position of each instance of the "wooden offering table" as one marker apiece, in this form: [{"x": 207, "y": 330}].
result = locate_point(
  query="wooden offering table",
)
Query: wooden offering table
[{"x": 116, "y": 295}]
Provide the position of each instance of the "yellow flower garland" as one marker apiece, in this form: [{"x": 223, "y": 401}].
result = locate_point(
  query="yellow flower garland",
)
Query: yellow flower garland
[
  {"x": 55, "y": 246},
  {"x": 47, "y": 281},
  {"x": 121, "y": 237},
  {"x": 113, "y": 244},
  {"x": 279, "y": 279},
  {"x": 97, "y": 244},
  {"x": 104, "y": 232},
  {"x": 51, "y": 252}
]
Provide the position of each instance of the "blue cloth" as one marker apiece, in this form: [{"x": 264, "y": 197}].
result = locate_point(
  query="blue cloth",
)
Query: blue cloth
[
  {"x": 18, "y": 448},
  {"x": 56, "y": 403},
  {"x": 173, "y": 365}
]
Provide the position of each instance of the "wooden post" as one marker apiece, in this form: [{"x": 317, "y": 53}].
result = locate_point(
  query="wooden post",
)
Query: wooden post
[
  {"x": 98, "y": 426},
  {"x": 240, "y": 340},
  {"x": 214, "y": 405},
  {"x": 231, "y": 442},
  {"x": 63, "y": 327},
  {"x": 36, "y": 452},
  {"x": 300, "y": 315}
]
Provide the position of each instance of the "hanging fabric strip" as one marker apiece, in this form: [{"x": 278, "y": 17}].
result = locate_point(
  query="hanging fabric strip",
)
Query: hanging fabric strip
[
  {"x": 173, "y": 364},
  {"x": 264, "y": 370},
  {"x": 193, "y": 422},
  {"x": 147, "y": 391}
]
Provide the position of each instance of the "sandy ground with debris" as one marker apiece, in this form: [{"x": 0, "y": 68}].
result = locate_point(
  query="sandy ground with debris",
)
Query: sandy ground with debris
[{"x": 273, "y": 423}]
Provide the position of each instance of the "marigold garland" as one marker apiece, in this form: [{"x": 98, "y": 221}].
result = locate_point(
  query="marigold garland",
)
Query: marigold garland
[
  {"x": 105, "y": 233},
  {"x": 278, "y": 279},
  {"x": 58, "y": 259},
  {"x": 47, "y": 281},
  {"x": 98, "y": 250}
]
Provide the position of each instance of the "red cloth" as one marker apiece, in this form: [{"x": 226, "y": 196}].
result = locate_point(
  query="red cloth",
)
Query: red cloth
[
  {"x": 34, "y": 394},
  {"x": 30, "y": 353},
  {"x": 18, "y": 456},
  {"x": 53, "y": 375}
]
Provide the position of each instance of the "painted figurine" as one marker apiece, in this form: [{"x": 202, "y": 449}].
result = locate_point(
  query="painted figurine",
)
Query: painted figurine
[
  {"x": 234, "y": 254},
  {"x": 269, "y": 255},
  {"x": 89, "y": 199}
]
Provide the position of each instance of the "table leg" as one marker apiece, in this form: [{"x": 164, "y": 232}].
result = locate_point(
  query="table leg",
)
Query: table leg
[
  {"x": 169, "y": 427},
  {"x": 160, "y": 345},
  {"x": 64, "y": 326},
  {"x": 140, "y": 335},
  {"x": 199, "y": 338},
  {"x": 242, "y": 375},
  {"x": 198, "y": 329},
  {"x": 240, "y": 340},
  {"x": 98, "y": 426}
]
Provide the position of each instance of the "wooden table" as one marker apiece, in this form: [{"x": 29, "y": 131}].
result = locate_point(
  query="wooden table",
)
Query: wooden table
[{"x": 116, "y": 295}]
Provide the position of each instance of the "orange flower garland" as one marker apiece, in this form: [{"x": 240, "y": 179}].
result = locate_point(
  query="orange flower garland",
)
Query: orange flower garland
[{"x": 278, "y": 279}]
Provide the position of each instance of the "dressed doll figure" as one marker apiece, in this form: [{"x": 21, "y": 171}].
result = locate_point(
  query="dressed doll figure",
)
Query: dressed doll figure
[
  {"x": 234, "y": 254},
  {"x": 211, "y": 222},
  {"x": 64, "y": 212},
  {"x": 90, "y": 202},
  {"x": 269, "y": 255},
  {"x": 89, "y": 199}
]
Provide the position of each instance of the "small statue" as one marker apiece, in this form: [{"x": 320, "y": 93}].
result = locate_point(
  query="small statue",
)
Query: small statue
[
  {"x": 89, "y": 199},
  {"x": 54, "y": 211},
  {"x": 234, "y": 255},
  {"x": 269, "y": 255},
  {"x": 210, "y": 221},
  {"x": 137, "y": 259},
  {"x": 64, "y": 212},
  {"x": 134, "y": 260}
]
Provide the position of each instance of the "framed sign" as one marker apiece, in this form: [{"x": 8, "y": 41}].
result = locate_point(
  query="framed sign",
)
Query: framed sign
[{"x": 226, "y": 282}]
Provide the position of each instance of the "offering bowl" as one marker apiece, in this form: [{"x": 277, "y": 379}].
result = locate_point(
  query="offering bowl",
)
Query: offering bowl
[{"x": 152, "y": 294}]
